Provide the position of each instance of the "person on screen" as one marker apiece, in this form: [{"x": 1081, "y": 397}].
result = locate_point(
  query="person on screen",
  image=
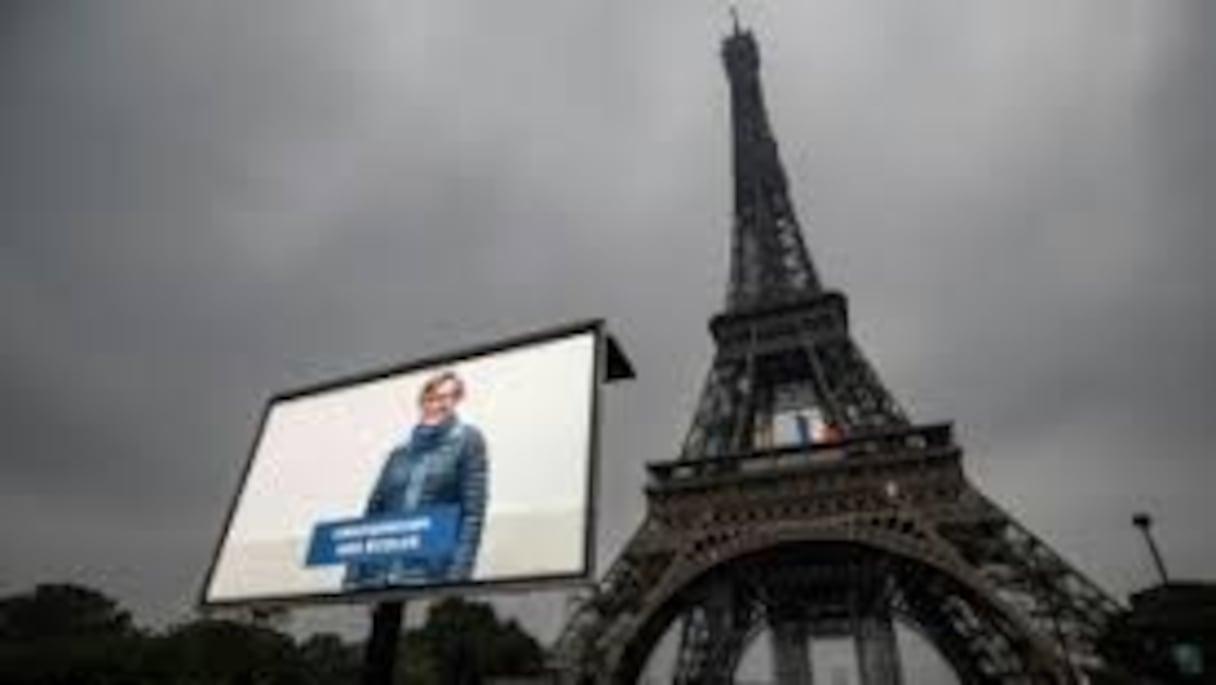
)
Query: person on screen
[{"x": 441, "y": 462}]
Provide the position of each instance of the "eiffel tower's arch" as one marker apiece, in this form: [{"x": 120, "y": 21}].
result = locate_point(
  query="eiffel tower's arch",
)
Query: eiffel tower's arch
[
  {"x": 830, "y": 581},
  {"x": 888, "y": 520}
]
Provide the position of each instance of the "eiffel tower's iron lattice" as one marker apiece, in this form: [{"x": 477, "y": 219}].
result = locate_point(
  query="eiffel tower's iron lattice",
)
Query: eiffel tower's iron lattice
[{"x": 806, "y": 503}]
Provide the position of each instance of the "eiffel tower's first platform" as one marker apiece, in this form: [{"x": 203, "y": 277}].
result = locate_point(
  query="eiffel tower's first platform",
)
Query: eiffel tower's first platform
[{"x": 806, "y": 502}]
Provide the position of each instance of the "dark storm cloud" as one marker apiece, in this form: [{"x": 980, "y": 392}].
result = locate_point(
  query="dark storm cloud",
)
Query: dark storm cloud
[{"x": 203, "y": 205}]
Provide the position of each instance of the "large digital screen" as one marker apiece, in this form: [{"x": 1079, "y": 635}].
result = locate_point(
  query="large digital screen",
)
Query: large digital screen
[{"x": 474, "y": 469}]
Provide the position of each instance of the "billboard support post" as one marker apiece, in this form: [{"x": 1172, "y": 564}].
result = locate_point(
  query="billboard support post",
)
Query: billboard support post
[{"x": 380, "y": 656}]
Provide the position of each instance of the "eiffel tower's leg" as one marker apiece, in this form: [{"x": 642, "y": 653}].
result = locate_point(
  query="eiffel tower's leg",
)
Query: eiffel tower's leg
[
  {"x": 712, "y": 637},
  {"x": 1066, "y": 607},
  {"x": 791, "y": 653},
  {"x": 877, "y": 651}
]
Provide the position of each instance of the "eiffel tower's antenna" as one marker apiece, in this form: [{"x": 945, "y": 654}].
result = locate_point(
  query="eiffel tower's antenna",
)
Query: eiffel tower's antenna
[{"x": 734, "y": 19}]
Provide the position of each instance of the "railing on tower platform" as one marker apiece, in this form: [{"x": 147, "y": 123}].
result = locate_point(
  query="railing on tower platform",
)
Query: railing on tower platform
[{"x": 856, "y": 452}]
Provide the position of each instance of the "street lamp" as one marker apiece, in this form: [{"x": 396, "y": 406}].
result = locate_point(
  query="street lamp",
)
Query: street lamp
[{"x": 1145, "y": 522}]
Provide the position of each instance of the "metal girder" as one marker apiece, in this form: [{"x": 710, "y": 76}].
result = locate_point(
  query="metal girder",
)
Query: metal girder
[
  {"x": 1058, "y": 599},
  {"x": 713, "y": 634},
  {"x": 877, "y": 651},
  {"x": 791, "y": 642}
]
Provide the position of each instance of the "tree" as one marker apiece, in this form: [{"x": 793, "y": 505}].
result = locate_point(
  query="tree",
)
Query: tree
[
  {"x": 60, "y": 611},
  {"x": 463, "y": 643},
  {"x": 327, "y": 659},
  {"x": 67, "y": 634},
  {"x": 221, "y": 651},
  {"x": 71, "y": 635}
]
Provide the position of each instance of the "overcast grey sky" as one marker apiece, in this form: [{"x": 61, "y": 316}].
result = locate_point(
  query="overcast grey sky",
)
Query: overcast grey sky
[{"x": 202, "y": 204}]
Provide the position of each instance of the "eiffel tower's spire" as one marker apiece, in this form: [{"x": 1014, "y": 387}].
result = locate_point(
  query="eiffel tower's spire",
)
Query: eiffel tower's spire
[{"x": 770, "y": 264}]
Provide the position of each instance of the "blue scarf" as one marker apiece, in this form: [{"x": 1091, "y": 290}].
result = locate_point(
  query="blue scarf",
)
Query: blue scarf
[
  {"x": 427, "y": 436},
  {"x": 423, "y": 439}
]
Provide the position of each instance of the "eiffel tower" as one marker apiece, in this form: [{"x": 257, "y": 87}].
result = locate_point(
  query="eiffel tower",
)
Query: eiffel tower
[{"x": 807, "y": 504}]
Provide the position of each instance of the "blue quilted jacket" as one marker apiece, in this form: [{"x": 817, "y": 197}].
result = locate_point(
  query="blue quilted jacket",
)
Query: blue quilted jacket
[{"x": 442, "y": 464}]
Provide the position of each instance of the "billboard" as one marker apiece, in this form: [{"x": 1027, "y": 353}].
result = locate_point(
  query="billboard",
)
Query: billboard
[{"x": 469, "y": 470}]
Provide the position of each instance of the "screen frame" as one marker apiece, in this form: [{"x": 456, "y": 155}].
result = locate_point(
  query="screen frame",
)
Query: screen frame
[{"x": 578, "y": 578}]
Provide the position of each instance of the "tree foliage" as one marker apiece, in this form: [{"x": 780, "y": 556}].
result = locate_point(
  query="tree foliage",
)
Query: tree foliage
[
  {"x": 61, "y": 611},
  {"x": 66, "y": 634},
  {"x": 72, "y": 635},
  {"x": 464, "y": 643}
]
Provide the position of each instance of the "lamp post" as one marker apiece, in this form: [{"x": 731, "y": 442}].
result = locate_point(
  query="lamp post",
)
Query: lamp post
[{"x": 1145, "y": 522}]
